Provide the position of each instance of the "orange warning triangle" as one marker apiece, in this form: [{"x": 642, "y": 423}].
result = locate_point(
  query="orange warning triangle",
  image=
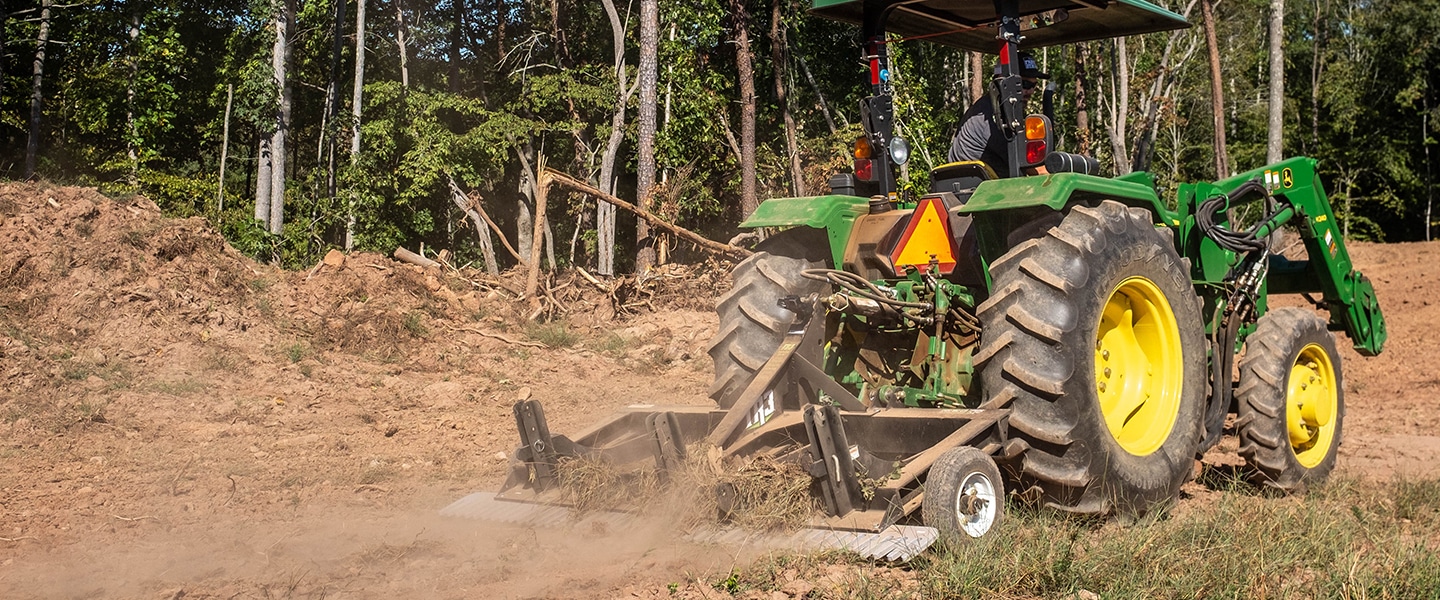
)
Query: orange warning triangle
[{"x": 927, "y": 235}]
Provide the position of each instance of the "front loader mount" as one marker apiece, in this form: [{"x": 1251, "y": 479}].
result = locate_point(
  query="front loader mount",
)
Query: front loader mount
[{"x": 869, "y": 464}]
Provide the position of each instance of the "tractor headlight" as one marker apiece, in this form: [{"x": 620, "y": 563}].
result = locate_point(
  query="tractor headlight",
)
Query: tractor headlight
[{"x": 899, "y": 150}]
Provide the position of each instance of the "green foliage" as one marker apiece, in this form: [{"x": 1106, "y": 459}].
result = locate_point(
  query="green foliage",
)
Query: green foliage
[{"x": 146, "y": 115}]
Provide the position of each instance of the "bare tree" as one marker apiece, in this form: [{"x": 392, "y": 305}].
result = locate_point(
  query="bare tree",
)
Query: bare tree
[
  {"x": 779, "y": 50},
  {"x": 42, "y": 39},
  {"x": 744, "y": 65},
  {"x": 132, "y": 133},
  {"x": 457, "y": 8},
  {"x": 604, "y": 212},
  {"x": 401, "y": 39},
  {"x": 224, "y": 149},
  {"x": 355, "y": 105},
  {"x": 1274, "y": 148},
  {"x": 1162, "y": 93},
  {"x": 1119, "y": 107},
  {"x": 263, "y": 171},
  {"x": 326, "y": 151},
  {"x": 648, "y": 80},
  {"x": 1217, "y": 90},
  {"x": 280, "y": 62},
  {"x": 1082, "y": 106},
  {"x": 977, "y": 76}
]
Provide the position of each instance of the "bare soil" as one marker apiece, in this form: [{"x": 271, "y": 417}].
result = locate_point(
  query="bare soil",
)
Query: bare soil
[{"x": 177, "y": 420}]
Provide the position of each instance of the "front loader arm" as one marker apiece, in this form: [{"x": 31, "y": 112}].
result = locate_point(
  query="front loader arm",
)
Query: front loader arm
[{"x": 1346, "y": 293}]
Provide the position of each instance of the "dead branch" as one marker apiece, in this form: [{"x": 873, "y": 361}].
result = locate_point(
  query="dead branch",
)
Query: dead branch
[
  {"x": 494, "y": 336},
  {"x": 551, "y": 176},
  {"x": 537, "y": 241}
]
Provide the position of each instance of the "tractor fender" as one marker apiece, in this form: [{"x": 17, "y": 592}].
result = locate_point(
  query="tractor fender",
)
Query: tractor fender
[
  {"x": 835, "y": 214},
  {"x": 1061, "y": 189},
  {"x": 1001, "y": 207}
]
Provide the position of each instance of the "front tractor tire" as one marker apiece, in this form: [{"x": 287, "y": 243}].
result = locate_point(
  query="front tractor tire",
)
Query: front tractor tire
[
  {"x": 1093, "y": 336},
  {"x": 1291, "y": 400},
  {"x": 752, "y": 323}
]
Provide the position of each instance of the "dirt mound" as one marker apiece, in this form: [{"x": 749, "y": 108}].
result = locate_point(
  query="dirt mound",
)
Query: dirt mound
[{"x": 179, "y": 420}]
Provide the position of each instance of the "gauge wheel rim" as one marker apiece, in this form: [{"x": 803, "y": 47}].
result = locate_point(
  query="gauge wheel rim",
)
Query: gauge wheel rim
[{"x": 977, "y": 505}]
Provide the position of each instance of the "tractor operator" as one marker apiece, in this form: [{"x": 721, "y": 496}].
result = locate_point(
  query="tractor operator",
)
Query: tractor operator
[{"x": 980, "y": 138}]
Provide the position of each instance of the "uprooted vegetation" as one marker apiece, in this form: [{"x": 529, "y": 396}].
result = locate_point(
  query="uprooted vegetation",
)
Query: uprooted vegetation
[{"x": 763, "y": 493}]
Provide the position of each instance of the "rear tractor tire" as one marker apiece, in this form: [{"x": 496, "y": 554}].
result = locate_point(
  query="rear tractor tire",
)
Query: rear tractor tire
[
  {"x": 964, "y": 495},
  {"x": 1291, "y": 400},
  {"x": 752, "y": 324},
  {"x": 1093, "y": 336}
]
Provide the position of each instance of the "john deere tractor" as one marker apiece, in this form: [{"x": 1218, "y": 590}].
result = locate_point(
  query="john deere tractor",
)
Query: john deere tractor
[{"x": 1068, "y": 337}]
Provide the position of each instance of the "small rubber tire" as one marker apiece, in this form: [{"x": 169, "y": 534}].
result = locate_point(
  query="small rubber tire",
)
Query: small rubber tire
[
  {"x": 752, "y": 323},
  {"x": 964, "y": 495},
  {"x": 1045, "y": 354},
  {"x": 1290, "y": 361}
]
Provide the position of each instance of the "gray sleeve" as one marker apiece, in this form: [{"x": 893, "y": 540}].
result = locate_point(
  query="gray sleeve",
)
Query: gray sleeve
[{"x": 971, "y": 140}]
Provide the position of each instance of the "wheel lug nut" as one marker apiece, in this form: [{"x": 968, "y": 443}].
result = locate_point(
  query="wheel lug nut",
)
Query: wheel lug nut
[
  {"x": 1102, "y": 386},
  {"x": 1107, "y": 372},
  {"x": 1105, "y": 354}
]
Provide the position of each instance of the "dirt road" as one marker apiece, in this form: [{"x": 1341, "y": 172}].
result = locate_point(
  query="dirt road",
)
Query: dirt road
[{"x": 179, "y": 421}]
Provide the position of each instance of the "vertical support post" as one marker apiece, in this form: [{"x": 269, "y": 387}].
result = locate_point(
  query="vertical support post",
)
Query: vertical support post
[
  {"x": 1011, "y": 109},
  {"x": 535, "y": 435},
  {"x": 877, "y": 112}
]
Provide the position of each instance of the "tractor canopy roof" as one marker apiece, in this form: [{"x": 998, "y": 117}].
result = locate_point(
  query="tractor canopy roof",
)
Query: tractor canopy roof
[{"x": 971, "y": 24}]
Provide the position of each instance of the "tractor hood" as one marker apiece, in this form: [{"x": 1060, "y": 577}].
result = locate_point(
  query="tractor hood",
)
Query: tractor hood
[{"x": 970, "y": 24}]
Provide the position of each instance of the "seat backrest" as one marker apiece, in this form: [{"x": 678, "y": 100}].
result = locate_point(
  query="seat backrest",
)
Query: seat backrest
[{"x": 960, "y": 178}]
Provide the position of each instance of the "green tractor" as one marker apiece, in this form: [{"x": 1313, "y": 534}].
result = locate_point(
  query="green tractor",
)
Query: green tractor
[{"x": 1067, "y": 337}]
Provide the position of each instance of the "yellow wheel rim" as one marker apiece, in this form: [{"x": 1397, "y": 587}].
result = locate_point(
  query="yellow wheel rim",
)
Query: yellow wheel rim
[
  {"x": 1312, "y": 401},
  {"x": 1139, "y": 367}
]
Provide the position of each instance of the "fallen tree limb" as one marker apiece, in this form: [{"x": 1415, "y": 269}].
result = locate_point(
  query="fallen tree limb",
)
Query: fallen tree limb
[
  {"x": 403, "y": 255},
  {"x": 551, "y": 176}
]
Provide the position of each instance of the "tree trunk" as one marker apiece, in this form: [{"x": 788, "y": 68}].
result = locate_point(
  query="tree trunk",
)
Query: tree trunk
[
  {"x": 224, "y": 150},
  {"x": 280, "y": 61},
  {"x": 1274, "y": 148},
  {"x": 1317, "y": 68},
  {"x": 454, "y": 83},
  {"x": 749, "y": 198},
  {"x": 32, "y": 145},
  {"x": 1119, "y": 106},
  {"x": 132, "y": 132},
  {"x": 824, "y": 106},
  {"x": 1082, "y": 107},
  {"x": 332, "y": 101},
  {"x": 355, "y": 105},
  {"x": 263, "y": 169},
  {"x": 648, "y": 81},
  {"x": 779, "y": 50},
  {"x": 401, "y": 41},
  {"x": 465, "y": 203},
  {"x": 1425, "y": 141},
  {"x": 977, "y": 75},
  {"x": 1217, "y": 90},
  {"x": 1161, "y": 89},
  {"x": 605, "y": 213}
]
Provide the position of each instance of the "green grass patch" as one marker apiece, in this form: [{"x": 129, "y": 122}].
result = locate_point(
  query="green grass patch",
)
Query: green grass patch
[
  {"x": 1349, "y": 539},
  {"x": 555, "y": 334},
  {"x": 182, "y": 388},
  {"x": 297, "y": 352},
  {"x": 414, "y": 323}
]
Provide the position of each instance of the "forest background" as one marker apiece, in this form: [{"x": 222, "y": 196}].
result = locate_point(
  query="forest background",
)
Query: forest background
[{"x": 270, "y": 119}]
